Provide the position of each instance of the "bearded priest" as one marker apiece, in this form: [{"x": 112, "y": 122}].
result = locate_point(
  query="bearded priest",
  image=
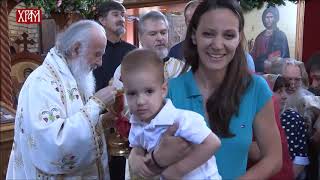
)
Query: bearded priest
[{"x": 58, "y": 132}]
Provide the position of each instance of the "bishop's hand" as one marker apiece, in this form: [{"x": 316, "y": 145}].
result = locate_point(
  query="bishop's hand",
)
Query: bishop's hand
[{"x": 107, "y": 95}]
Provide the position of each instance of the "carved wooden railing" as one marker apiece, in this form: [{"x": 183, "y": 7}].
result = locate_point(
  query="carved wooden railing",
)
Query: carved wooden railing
[{"x": 5, "y": 65}]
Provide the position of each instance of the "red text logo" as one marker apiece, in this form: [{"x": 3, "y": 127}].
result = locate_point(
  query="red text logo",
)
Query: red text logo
[{"x": 28, "y": 16}]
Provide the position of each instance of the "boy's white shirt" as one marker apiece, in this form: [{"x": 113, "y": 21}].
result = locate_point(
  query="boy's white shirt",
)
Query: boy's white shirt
[{"x": 191, "y": 127}]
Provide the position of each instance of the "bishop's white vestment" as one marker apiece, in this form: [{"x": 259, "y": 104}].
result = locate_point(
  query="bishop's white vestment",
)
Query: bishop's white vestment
[{"x": 58, "y": 134}]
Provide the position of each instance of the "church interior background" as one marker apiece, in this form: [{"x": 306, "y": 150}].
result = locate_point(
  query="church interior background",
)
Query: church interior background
[{"x": 24, "y": 46}]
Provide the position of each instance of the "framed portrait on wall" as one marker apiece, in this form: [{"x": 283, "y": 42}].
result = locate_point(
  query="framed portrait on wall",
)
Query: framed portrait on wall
[
  {"x": 22, "y": 64},
  {"x": 274, "y": 32}
]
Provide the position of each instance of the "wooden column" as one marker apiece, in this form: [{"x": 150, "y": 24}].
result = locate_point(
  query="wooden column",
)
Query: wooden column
[
  {"x": 299, "y": 30},
  {"x": 5, "y": 59},
  {"x": 135, "y": 28}
]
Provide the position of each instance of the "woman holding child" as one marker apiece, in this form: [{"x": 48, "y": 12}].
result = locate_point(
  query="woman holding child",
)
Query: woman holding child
[{"x": 234, "y": 102}]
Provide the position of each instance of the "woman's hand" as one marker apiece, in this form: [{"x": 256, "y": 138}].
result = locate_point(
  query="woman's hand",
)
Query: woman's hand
[
  {"x": 142, "y": 170},
  {"x": 171, "y": 149},
  {"x": 137, "y": 164}
]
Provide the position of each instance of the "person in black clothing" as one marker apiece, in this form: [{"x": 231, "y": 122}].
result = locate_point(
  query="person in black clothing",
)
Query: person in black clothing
[
  {"x": 153, "y": 34},
  {"x": 111, "y": 15},
  {"x": 313, "y": 70},
  {"x": 176, "y": 51}
]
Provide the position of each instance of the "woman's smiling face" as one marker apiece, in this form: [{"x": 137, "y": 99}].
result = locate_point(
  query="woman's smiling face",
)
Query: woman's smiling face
[{"x": 217, "y": 38}]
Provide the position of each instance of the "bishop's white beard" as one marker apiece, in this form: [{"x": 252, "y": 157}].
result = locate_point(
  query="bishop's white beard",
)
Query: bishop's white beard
[
  {"x": 162, "y": 53},
  {"x": 80, "y": 70}
]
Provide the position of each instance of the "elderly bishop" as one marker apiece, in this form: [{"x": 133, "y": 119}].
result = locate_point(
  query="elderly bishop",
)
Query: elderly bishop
[{"x": 58, "y": 132}]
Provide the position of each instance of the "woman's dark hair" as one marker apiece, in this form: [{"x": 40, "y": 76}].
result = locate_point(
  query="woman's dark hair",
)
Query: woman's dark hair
[
  {"x": 225, "y": 101},
  {"x": 279, "y": 83}
]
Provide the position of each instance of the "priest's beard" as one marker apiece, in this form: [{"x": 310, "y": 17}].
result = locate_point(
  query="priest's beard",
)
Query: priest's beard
[
  {"x": 83, "y": 75},
  {"x": 120, "y": 31}
]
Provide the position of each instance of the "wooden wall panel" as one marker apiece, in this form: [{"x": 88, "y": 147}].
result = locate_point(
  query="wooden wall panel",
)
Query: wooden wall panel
[{"x": 6, "y": 134}]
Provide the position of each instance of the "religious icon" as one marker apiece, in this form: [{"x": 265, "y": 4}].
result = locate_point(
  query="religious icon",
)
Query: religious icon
[
  {"x": 272, "y": 42},
  {"x": 27, "y": 72}
]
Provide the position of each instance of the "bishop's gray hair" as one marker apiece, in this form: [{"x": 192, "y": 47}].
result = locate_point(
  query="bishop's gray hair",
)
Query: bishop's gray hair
[
  {"x": 78, "y": 32},
  {"x": 153, "y": 15}
]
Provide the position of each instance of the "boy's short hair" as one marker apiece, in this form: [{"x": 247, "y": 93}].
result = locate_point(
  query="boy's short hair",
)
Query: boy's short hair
[{"x": 142, "y": 59}]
